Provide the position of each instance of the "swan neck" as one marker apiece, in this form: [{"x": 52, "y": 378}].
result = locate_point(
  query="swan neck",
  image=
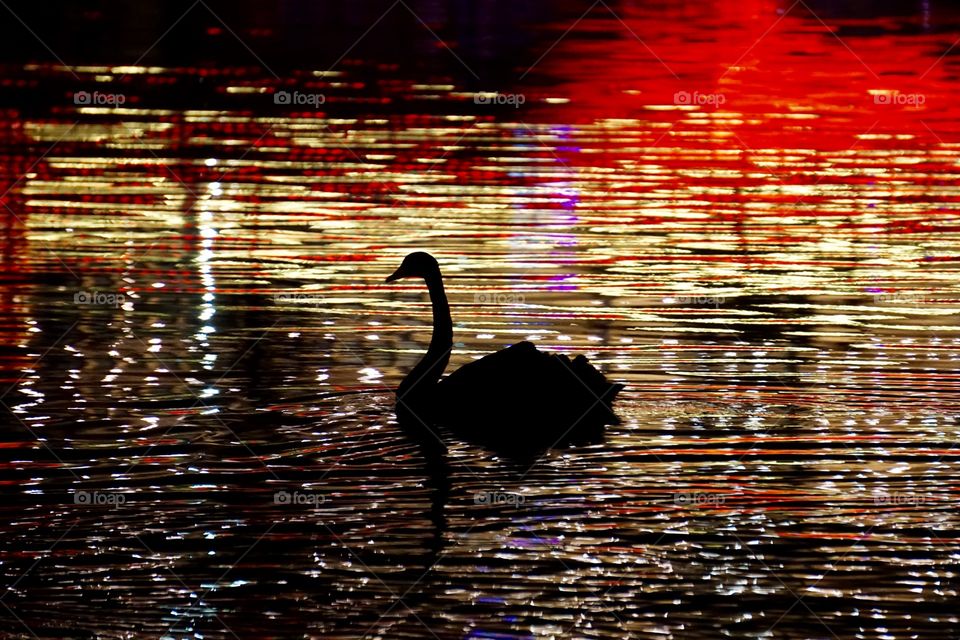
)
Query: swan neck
[
  {"x": 442, "y": 340},
  {"x": 419, "y": 382}
]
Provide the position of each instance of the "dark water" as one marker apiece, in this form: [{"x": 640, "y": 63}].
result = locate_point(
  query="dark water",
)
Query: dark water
[{"x": 197, "y": 350}]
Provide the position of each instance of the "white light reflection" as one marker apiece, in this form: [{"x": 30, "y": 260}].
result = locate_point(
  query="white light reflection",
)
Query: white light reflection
[{"x": 208, "y": 308}]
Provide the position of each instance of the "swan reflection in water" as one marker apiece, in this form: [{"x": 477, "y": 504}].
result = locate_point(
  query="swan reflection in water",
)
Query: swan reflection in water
[{"x": 517, "y": 401}]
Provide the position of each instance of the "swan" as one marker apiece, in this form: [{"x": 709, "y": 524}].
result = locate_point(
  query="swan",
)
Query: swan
[{"x": 518, "y": 398}]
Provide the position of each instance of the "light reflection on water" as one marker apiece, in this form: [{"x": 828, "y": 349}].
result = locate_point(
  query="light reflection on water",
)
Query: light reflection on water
[{"x": 781, "y": 305}]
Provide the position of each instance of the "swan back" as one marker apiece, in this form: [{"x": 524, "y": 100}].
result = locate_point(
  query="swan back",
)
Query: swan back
[{"x": 523, "y": 397}]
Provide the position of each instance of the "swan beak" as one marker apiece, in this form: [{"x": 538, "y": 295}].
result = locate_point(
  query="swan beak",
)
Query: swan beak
[{"x": 396, "y": 275}]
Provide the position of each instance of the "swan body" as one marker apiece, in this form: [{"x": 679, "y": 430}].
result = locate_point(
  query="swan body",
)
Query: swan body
[{"x": 518, "y": 398}]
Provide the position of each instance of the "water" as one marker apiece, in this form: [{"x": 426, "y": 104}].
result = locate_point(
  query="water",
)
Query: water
[{"x": 198, "y": 351}]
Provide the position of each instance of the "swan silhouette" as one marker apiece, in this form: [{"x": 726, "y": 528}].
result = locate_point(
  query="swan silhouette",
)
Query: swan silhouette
[{"x": 517, "y": 399}]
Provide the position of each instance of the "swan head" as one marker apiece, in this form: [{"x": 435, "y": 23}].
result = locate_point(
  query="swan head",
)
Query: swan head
[{"x": 416, "y": 265}]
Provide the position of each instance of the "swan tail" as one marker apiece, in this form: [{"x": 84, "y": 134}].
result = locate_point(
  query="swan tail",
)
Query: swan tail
[{"x": 596, "y": 382}]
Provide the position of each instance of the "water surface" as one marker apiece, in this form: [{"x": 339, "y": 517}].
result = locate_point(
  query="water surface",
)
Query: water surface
[{"x": 193, "y": 323}]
